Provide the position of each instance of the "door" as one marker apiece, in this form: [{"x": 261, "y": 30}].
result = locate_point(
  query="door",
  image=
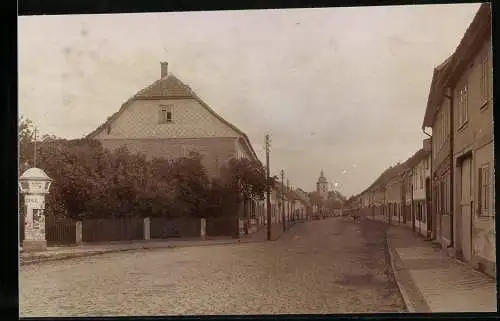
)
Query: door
[
  {"x": 465, "y": 209},
  {"x": 431, "y": 230}
]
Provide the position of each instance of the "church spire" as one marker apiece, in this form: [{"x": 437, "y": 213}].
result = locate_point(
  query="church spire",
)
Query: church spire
[{"x": 322, "y": 178}]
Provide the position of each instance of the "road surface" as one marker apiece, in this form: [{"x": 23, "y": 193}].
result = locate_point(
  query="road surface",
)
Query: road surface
[{"x": 325, "y": 266}]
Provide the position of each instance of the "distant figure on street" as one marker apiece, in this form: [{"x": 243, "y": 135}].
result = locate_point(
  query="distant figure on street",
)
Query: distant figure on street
[{"x": 356, "y": 216}]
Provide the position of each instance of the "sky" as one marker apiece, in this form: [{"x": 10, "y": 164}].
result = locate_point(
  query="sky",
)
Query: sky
[{"x": 338, "y": 89}]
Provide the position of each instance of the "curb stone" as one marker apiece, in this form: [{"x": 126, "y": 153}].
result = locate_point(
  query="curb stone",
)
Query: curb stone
[
  {"x": 414, "y": 300},
  {"x": 406, "y": 299},
  {"x": 39, "y": 259}
]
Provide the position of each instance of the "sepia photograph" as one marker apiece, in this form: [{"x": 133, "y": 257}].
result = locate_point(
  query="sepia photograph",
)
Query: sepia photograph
[{"x": 334, "y": 160}]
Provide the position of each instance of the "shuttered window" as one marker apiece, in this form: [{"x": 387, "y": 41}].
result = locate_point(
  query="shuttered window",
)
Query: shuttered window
[
  {"x": 484, "y": 191},
  {"x": 484, "y": 85}
]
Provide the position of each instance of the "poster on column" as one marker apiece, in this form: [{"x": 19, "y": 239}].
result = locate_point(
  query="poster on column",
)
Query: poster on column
[
  {"x": 35, "y": 201},
  {"x": 38, "y": 227},
  {"x": 36, "y": 219}
]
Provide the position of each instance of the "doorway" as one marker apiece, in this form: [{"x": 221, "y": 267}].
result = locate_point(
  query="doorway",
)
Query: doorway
[
  {"x": 431, "y": 231},
  {"x": 465, "y": 230}
]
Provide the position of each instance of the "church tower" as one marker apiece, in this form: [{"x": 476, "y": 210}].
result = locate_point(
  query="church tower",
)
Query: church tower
[{"x": 322, "y": 186}]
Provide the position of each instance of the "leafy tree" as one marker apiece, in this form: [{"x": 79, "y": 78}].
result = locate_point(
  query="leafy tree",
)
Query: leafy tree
[
  {"x": 90, "y": 181},
  {"x": 190, "y": 178},
  {"x": 26, "y": 131},
  {"x": 247, "y": 179}
]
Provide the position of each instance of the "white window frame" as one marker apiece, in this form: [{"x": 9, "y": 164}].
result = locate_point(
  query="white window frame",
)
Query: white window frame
[
  {"x": 483, "y": 82},
  {"x": 485, "y": 190}
]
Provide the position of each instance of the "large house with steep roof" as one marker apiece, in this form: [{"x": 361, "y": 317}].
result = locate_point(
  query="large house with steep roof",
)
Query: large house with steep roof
[{"x": 167, "y": 119}]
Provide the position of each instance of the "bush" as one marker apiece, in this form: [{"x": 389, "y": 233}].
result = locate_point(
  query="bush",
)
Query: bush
[{"x": 92, "y": 182}]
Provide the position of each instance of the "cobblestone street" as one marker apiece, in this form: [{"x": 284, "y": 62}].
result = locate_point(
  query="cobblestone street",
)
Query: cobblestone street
[{"x": 326, "y": 266}]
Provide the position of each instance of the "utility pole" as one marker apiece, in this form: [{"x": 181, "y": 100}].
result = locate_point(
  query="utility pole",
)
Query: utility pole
[
  {"x": 283, "y": 199},
  {"x": 34, "y": 147},
  {"x": 268, "y": 189},
  {"x": 289, "y": 208}
]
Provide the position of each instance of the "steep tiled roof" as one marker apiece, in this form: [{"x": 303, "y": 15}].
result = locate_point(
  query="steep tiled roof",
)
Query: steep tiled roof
[
  {"x": 171, "y": 87},
  {"x": 436, "y": 92},
  {"x": 399, "y": 169},
  {"x": 475, "y": 35},
  {"x": 446, "y": 73}
]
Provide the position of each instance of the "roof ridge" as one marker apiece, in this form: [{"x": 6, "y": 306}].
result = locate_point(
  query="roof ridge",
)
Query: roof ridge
[
  {"x": 191, "y": 94},
  {"x": 234, "y": 127}
]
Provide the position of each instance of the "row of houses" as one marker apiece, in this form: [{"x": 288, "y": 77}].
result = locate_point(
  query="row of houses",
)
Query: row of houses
[
  {"x": 445, "y": 191},
  {"x": 168, "y": 119}
]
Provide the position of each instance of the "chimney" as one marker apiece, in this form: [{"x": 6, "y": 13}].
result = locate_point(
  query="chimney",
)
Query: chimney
[{"x": 164, "y": 69}]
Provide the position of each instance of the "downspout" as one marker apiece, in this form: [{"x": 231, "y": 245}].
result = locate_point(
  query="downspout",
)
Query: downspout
[
  {"x": 431, "y": 217},
  {"x": 452, "y": 171},
  {"x": 412, "y": 201}
]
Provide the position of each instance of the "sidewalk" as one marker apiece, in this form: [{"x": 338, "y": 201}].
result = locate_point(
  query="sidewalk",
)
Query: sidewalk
[
  {"x": 431, "y": 281},
  {"x": 68, "y": 252}
]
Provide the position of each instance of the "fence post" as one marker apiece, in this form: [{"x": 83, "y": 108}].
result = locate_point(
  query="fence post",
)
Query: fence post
[
  {"x": 147, "y": 228},
  {"x": 203, "y": 229},
  {"x": 79, "y": 232}
]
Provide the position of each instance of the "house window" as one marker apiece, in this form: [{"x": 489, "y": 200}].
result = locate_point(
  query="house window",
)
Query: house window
[
  {"x": 421, "y": 177},
  {"x": 445, "y": 124},
  {"x": 446, "y": 199},
  {"x": 166, "y": 114},
  {"x": 441, "y": 136},
  {"x": 484, "y": 192},
  {"x": 442, "y": 197},
  {"x": 462, "y": 106},
  {"x": 436, "y": 198},
  {"x": 484, "y": 86}
]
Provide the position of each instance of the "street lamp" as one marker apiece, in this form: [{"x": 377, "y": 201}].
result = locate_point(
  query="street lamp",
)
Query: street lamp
[{"x": 34, "y": 183}]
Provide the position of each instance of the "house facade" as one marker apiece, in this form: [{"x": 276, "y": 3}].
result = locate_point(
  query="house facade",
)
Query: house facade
[
  {"x": 168, "y": 120},
  {"x": 409, "y": 206},
  {"x": 421, "y": 192},
  {"x": 471, "y": 79},
  {"x": 460, "y": 112},
  {"x": 393, "y": 199},
  {"x": 378, "y": 201},
  {"x": 306, "y": 204},
  {"x": 438, "y": 117}
]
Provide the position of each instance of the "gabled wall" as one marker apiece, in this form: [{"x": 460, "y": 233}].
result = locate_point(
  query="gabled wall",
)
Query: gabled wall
[{"x": 141, "y": 120}]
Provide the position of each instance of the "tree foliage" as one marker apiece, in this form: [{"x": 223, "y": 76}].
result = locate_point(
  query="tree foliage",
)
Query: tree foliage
[
  {"x": 246, "y": 177},
  {"x": 91, "y": 181}
]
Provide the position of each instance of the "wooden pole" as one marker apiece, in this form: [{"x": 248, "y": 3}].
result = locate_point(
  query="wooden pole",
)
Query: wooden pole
[{"x": 268, "y": 190}]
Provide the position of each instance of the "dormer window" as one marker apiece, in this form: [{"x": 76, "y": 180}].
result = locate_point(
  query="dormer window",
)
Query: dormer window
[{"x": 166, "y": 114}]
